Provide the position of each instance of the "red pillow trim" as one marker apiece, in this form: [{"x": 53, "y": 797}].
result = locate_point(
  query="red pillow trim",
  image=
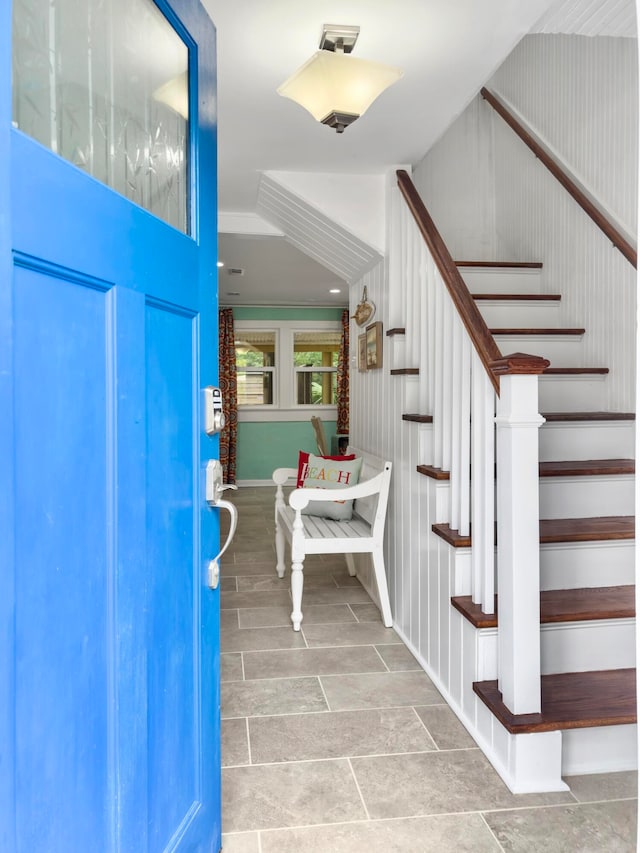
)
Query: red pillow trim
[{"x": 303, "y": 462}]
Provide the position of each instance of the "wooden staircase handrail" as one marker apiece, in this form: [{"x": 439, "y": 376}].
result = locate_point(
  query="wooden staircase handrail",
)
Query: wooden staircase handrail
[
  {"x": 494, "y": 362},
  {"x": 597, "y": 215}
]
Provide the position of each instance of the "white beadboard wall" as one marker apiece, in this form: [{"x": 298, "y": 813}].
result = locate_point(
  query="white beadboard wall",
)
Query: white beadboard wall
[{"x": 580, "y": 96}]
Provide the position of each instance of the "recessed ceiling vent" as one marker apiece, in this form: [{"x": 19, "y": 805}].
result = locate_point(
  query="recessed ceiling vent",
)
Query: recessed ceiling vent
[{"x": 235, "y": 271}]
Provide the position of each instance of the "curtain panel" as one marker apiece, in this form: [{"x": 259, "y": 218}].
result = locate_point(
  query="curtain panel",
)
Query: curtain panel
[
  {"x": 342, "y": 426},
  {"x": 229, "y": 388}
]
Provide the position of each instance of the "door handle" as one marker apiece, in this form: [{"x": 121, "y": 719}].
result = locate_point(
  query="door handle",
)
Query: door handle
[{"x": 214, "y": 489}]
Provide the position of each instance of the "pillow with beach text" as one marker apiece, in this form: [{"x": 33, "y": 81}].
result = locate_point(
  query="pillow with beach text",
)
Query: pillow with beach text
[
  {"x": 303, "y": 464},
  {"x": 323, "y": 473}
]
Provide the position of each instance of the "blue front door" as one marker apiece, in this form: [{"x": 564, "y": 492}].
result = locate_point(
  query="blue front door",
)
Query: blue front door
[{"x": 109, "y": 656}]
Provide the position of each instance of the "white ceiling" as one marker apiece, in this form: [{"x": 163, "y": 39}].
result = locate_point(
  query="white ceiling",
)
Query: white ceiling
[{"x": 447, "y": 49}]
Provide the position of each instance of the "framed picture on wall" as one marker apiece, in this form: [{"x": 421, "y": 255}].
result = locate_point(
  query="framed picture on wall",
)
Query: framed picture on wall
[
  {"x": 374, "y": 346},
  {"x": 362, "y": 352}
]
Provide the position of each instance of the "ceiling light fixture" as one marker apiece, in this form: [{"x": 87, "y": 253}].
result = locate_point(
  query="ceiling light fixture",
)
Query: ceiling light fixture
[{"x": 334, "y": 87}]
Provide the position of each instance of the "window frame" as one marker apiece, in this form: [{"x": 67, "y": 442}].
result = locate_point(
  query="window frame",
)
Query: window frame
[{"x": 285, "y": 407}]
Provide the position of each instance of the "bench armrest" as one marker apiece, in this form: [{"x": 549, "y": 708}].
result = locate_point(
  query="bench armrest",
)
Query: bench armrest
[
  {"x": 281, "y": 475},
  {"x": 300, "y": 498}
]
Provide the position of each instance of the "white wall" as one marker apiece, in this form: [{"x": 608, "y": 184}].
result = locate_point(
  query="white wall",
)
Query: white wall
[{"x": 491, "y": 198}]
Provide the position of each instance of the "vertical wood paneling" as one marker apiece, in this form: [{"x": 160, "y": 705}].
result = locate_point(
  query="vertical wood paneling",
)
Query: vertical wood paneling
[
  {"x": 580, "y": 96},
  {"x": 491, "y": 199}
]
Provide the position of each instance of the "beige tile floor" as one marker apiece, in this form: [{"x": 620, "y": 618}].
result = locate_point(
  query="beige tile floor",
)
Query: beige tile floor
[{"x": 335, "y": 741}]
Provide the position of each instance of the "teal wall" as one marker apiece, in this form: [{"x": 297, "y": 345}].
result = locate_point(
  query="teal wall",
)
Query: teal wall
[
  {"x": 288, "y": 313},
  {"x": 264, "y": 447}
]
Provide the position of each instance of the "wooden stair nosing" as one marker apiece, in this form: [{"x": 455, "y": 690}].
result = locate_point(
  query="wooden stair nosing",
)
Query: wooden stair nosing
[
  {"x": 396, "y": 331},
  {"x": 531, "y": 265},
  {"x": 584, "y": 604},
  {"x": 418, "y": 419},
  {"x": 517, "y": 297},
  {"x": 588, "y": 416},
  {"x": 570, "y": 468},
  {"x": 575, "y": 371},
  {"x": 434, "y": 473},
  {"x": 587, "y": 468},
  {"x": 570, "y": 700},
  {"x": 405, "y": 371},
  {"x": 538, "y": 331},
  {"x": 557, "y": 530}
]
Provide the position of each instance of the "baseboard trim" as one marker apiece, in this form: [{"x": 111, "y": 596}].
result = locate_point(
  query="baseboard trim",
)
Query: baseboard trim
[{"x": 241, "y": 484}]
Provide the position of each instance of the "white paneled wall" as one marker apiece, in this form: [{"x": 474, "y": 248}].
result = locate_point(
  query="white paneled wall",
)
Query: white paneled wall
[{"x": 580, "y": 96}]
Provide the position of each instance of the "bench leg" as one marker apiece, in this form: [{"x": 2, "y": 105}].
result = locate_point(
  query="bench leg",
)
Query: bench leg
[
  {"x": 279, "y": 550},
  {"x": 297, "y": 582},
  {"x": 383, "y": 593},
  {"x": 351, "y": 565}
]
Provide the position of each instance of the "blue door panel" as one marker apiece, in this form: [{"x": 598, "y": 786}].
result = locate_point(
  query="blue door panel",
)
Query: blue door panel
[
  {"x": 174, "y": 582},
  {"x": 61, "y": 603},
  {"x": 109, "y": 644}
]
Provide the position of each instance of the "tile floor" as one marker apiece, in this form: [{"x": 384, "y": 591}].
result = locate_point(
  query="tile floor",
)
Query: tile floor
[{"x": 335, "y": 741}]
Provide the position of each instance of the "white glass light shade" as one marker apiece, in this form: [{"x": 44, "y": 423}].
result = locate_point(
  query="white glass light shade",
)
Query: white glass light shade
[{"x": 335, "y": 82}]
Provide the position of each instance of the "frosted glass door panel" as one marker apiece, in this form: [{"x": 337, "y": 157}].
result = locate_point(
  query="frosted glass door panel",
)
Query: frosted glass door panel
[{"x": 104, "y": 84}]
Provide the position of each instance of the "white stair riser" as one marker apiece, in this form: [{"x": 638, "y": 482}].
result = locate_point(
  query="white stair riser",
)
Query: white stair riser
[
  {"x": 585, "y": 497},
  {"x": 497, "y": 281},
  {"x": 605, "y": 749},
  {"x": 586, "y": 646},
  {"x": 563, "y": 440},
  {"x": 561, "y": 350},
  {"x": 570, "y": 565},
  {"x": 411, "y": 392},
  {"x": 520, "y": 314},
  {"x": 581, "y": 393},
  {"x": 568, "y": 647},
  {"x": 426, "y": 443}
]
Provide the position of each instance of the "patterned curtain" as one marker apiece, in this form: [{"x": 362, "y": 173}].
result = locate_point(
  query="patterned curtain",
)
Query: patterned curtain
[
  {"x": 342, "y": 426},
  {"x": 229, "y": 388}
]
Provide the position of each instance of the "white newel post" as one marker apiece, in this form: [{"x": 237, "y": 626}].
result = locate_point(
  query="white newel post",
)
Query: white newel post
[{"x": 517, "y": 425}]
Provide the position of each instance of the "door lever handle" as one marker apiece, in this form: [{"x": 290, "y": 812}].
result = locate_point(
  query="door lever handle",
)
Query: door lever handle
[
  {"x": 213, "y": 571},
  {"x": 214, "y": 489}
]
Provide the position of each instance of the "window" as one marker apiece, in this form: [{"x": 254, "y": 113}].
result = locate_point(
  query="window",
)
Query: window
[
  {"x": 315, "y": 358},
  {"x": 286, "y": 368},
  {"x": 255, "y": 367}
]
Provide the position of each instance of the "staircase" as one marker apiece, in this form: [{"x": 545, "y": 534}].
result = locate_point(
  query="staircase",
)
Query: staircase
[{"x": 586, "y": 495}]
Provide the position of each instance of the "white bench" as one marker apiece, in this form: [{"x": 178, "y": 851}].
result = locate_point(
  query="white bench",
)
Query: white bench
[{"x": 308, "y": 534}]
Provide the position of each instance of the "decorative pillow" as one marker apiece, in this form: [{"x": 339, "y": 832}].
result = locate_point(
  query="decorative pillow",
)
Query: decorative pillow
[
  {"x": 337, "y": 473},
  {"x": 303, "y": 462}
]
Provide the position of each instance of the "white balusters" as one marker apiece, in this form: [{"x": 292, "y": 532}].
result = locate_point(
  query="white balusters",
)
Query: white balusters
[{"x": 483, "y": 483}]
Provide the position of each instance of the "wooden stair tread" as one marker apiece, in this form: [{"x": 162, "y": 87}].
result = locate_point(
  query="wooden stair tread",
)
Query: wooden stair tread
[
  {"x": 587, "y": 529},
  {"x": 587, "y": 467},
  {"x": 418, "y": 419},
  {"x": 572, "y": 468},
  {"x": 518, "y": 297},
  {"x": 562, "y": 605},
  {"x": 551, "y": 331},
  {"x": 399, "y": 330},
  {"x": 574, "y": 371},
  {"x": 570, "y": 700},
  {"x": 529, "y": 265},
  {"x": 405, "y": 371},
  {"x": 434, "y": 473},
  {"x": 554, "y": 530},
  {"x": 588, "y": 416}
]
